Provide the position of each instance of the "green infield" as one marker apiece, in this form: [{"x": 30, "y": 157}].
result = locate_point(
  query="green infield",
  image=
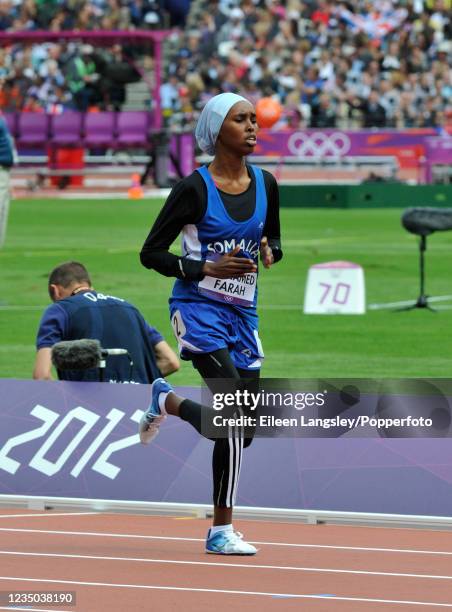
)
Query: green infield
[{"x": 107, "y": 236}]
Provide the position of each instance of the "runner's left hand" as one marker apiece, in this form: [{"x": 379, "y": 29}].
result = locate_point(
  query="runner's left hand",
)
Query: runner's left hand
[{"x": 267, "y": 258}]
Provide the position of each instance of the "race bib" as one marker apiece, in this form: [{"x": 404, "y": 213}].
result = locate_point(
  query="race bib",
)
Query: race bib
[{"x": 239, "y": 290}]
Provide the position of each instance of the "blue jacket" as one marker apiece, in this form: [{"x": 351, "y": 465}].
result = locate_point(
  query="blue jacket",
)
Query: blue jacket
[{"x": 6, "y": 145}]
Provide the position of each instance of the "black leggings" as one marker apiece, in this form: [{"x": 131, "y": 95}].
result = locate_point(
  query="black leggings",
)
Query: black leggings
[{"x": 227, "y": 452}]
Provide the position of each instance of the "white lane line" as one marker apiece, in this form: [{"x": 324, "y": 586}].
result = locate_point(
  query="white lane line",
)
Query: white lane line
[
  {"x": 325, "y": 570},
  {"x": 49, "y": 514},
  {"x": 97, "y": 534},
  {"x": 227, "y": 591}
]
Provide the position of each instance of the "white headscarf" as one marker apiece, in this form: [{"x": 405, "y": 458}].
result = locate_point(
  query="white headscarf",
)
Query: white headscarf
[{"x": 211, "y": 119}]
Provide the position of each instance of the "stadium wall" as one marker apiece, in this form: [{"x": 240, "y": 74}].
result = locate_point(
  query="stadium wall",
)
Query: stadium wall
[{"x": 367, "y": 195}]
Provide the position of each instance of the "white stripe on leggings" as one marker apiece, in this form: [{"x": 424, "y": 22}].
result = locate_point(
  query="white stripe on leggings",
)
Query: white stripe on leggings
[
  {"x": 239, "y": 443},
  {"x": 239, "y": 462},
  {"x": 236, "y": 466},
  {"x": 235, "y": 442},
  {"x": 231, "y": 467}
]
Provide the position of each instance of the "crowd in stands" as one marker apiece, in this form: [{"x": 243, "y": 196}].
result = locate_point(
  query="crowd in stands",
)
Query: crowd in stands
[
  {"x": 360, "y": 63},
  {"x": 53, "y": 77},
  {"x": 59, "y": 15}
]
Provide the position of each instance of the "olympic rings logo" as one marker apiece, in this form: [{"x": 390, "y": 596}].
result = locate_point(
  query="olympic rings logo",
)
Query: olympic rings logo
[{"x": 319, "y": 144}]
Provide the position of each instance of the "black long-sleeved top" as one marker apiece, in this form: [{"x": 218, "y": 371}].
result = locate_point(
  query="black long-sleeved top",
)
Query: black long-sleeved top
[{"x": 187, "y": 204}]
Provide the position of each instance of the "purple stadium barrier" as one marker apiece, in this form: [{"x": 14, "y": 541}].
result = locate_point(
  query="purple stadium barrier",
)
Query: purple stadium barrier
[
  {"x": 33, "y": 129},
  {"x": 133, "y": 128},
  {"x": 66, "y": 129},
  {"x": 42, "y": 456},
  {"x": 100, "y": 129}
]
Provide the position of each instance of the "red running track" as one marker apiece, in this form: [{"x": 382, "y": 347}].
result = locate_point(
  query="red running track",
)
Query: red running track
[{"x": 126, "y": 563}]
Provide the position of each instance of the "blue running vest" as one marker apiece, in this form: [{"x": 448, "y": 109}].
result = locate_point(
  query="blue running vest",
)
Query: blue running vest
[{"x": 216, "y": 234}]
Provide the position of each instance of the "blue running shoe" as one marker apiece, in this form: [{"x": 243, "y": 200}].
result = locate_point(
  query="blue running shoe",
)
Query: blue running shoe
[
  {"x": 228, "y": 543},
  {"x": 151, "y": 420}
]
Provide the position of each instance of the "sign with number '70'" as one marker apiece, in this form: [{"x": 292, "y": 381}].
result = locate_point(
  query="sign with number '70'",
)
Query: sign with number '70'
[{"x": 335, "y": 287}]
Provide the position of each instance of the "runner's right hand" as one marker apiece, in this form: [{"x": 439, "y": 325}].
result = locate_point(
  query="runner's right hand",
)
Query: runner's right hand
[{"x": 229, "y": 266}]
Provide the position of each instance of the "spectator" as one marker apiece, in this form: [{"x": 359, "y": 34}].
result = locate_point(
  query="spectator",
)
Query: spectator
[
  {"x": 391, "y": 60},
  {"x": 374, "y": 113},
  {"x": 429, "y": 114},
  {"x": 7, "y": 14},
  {"x": 58, "y": 101},
  {"x": 390, "y": 100},
  {"x": 82, "y": 78},
  {"x": 234, "y": 28},
  {"x": 311, "y": 87},
  {"x": 405, "y": 114},
  {"x": 323, "y": 114},
  {"x": 32, "y": 104},
  {"x": 169, "y": 96}
]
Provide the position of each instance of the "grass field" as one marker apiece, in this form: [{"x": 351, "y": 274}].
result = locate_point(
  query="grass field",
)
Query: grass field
[{"x": 107, "y": 236}]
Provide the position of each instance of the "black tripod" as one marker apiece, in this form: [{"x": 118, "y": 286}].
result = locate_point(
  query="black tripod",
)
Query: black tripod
[
  {"x": 422, "y": 300},
  {"x": 423, "y": 221},
  {"x": 159, "y": 156}
]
